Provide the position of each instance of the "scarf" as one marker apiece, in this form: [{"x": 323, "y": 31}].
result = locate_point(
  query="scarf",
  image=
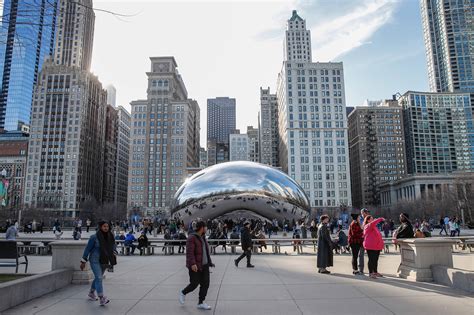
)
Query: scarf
[{"x": 106, "y": 244}]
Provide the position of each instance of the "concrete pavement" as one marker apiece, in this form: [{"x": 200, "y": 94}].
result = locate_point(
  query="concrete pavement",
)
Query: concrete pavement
[{"x": 278, "y": 285}]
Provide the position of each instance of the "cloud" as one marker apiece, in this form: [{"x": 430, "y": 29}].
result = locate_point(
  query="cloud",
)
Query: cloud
[
  {"x": 339, "y": 35},
  {"x": 339, "y": 26}
]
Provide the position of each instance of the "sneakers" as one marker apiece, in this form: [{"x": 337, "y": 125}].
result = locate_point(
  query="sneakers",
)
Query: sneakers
[
  {"x": 236, "y": 262},
  {"x": 379, "y": 275},
  {"x": 373, "y": 276},
  {"x": 203, "y": 306},
  {"x": 104, "y": 300},
  {"x": 182, "y": 297},
  {"x": 92, "y": 296},
  {"x": 250, "y": 266}
]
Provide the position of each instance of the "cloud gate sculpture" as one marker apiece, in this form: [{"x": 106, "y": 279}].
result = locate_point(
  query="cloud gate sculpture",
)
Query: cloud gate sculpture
[{"x": 236, "y": 186}]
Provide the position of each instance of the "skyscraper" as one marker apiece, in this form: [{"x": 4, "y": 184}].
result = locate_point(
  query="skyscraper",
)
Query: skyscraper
[
  {"x": 111, "y": 95},
  {"x": 254, "y": 146},
  {"x": 269, "y": 137},
  {"x": 123, "y": 151},
  {"x": 164, "y": 138},
  {"x": 448, "y": 31},
  {"x": 376, "y": 150},
  {"x": 75, "y": 34},
  {"x": 67, "y": 139},
  {"x": 313, "y": 147},
  {"x": 68, "y": 124},
  {"x": 26, "y": 40},
  {"x": 220, "y": 118},
  {"x": 439, "y": 132},
  {"x": 238, "y": 147}
]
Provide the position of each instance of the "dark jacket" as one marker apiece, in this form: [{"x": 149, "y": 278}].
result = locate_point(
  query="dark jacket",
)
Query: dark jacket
[
  {"x": 194, "y": 251},
  {"x": 325, "y": 255},
  {"x": 356, "y": 234},
  {"x": 405, "y": 230},
  {"x": 245, "y": 238}
]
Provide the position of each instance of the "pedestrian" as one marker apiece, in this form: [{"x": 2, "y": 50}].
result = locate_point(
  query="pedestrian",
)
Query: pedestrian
[
  {"x": 57, "y": 232},
  {"x": 386, "y": 228},
  {"x": 88, "y": 224},
  {"x": 198, "y": 261},
  {"x": 363, "y": 214},
  {"x": 325, "y": 255},
  {"x": 373, "y": 244},
  {"x": 446, "y": 225},
  {"x": 458, "y": 226},
  {"x": 129, "y": 239},
  {"x": 356, "y": 238},
  {"x": 76, "y": 235},
  {"x": 405, "y": 230},
  {"x": 246, "y": 242},
  {"x": 11, "y": 233},
  {"x": 101, "y": 254}
]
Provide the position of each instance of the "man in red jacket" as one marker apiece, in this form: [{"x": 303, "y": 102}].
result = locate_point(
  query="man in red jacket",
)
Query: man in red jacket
[{"x": 198, "y": 261}]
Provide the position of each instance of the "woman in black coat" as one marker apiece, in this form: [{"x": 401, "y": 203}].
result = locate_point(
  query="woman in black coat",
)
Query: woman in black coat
[{"x": 325, "y": 255}]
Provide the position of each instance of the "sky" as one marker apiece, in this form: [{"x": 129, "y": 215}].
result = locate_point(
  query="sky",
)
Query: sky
[{"x": 232, "y": 48}]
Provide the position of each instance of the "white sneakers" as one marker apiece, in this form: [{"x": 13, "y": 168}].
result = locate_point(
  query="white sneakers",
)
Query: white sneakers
[{"x": 203, "y": 306}]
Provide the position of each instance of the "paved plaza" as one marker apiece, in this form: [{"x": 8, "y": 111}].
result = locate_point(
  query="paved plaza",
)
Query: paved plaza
[{"x": 282, "y": 284}]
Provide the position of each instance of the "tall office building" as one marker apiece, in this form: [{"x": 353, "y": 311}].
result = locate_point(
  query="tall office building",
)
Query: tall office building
[
  {"x": 448, "y": 31},
  {"x": 110, "y": 154},
  {"x": 238, "y": 147},
  {"x": 376, "y": 150},
  {"x": 220, "y": 118},
  {"x": 65, "y": 167},
  {"x": 111, "y": 95},
  {"x": 202, "y": 158},
  {"x": 123, "y": 151},
  {"x": 439, "y": 132},
  {"x": 254, "y": 144},
  {"x": 67, "y": 139},
  {"x": 164, "y": 138},
  {"x": 75, "y": 34},
  {"x": 26, "y": 40},
  {"x": 313, "y": 147},
  {"x": 269, "y": 137}
]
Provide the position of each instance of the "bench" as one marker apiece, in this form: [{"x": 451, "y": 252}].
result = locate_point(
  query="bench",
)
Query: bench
[{"x": 9, "y": 250}]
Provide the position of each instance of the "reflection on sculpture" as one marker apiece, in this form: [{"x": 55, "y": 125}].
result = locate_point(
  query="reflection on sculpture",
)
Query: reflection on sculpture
[{"x": 232, "y": 186}]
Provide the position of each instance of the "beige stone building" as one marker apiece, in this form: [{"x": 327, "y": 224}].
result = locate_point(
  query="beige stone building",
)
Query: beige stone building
[{"x": 164, "y": 138}]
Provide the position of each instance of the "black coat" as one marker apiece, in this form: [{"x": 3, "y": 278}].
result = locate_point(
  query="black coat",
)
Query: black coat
[
  {"x": 245, "y": 238},
  {"x": 325, "y": 255},
  {"x": 405, "y": 230}
]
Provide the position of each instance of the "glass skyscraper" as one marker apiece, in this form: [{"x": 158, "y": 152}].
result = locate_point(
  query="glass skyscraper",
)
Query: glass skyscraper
[
  {"x": 27, "y": 38},
  {"x": 448, "y": 27}
]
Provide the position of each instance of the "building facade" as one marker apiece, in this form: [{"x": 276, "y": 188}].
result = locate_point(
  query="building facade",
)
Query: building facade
[
  {"x": 67, "y": 139},
  {"x": 13, "y": 151},
  {"x": 220, "y": 118},
  {"x": 439, "y": 132},
  {"x": 313, "y": 146},
  {"x": 269, "y": 137},
  {"x": 202, "y": 158},
  {"x": 239, "y": 147},
  {"x": 254, "y": 144},
  {"x": 123, "y": 151},
  {"x": 376, "y": 150},
  {"x": 449, "y": 43},
  {"x": 110, "y": 154},
  {"x": 27, "y": 38},
  {"x": 111, "y": 95},
  {"x": 164, "y": 138},
  {"x": 74, "y": 34},
  {"x": 432, "y": 187}
]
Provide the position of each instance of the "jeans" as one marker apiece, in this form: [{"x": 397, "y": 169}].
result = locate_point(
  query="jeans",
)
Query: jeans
[
  {"x": 361, "y": 259},
  {"x": 356, "y": 248},
  {"x": 373, "y": 260},
  {"x": 98, "y": 271},
  {"x": 200, "y": 278},
  {"x": 443, "y": 228},
  {"x": 247, "y": 253}
]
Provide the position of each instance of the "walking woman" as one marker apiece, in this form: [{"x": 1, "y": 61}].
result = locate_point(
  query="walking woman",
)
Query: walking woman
[
  {"x": 100, "y": 252},
  {"x": 356, "y": 238},
  {"x": 373, "y": 244},
  {"x": 325, "y": 255}
]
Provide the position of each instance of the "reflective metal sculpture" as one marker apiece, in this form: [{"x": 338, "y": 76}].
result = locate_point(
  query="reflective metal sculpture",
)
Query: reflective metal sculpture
[{"x": 234, "y": 186}]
